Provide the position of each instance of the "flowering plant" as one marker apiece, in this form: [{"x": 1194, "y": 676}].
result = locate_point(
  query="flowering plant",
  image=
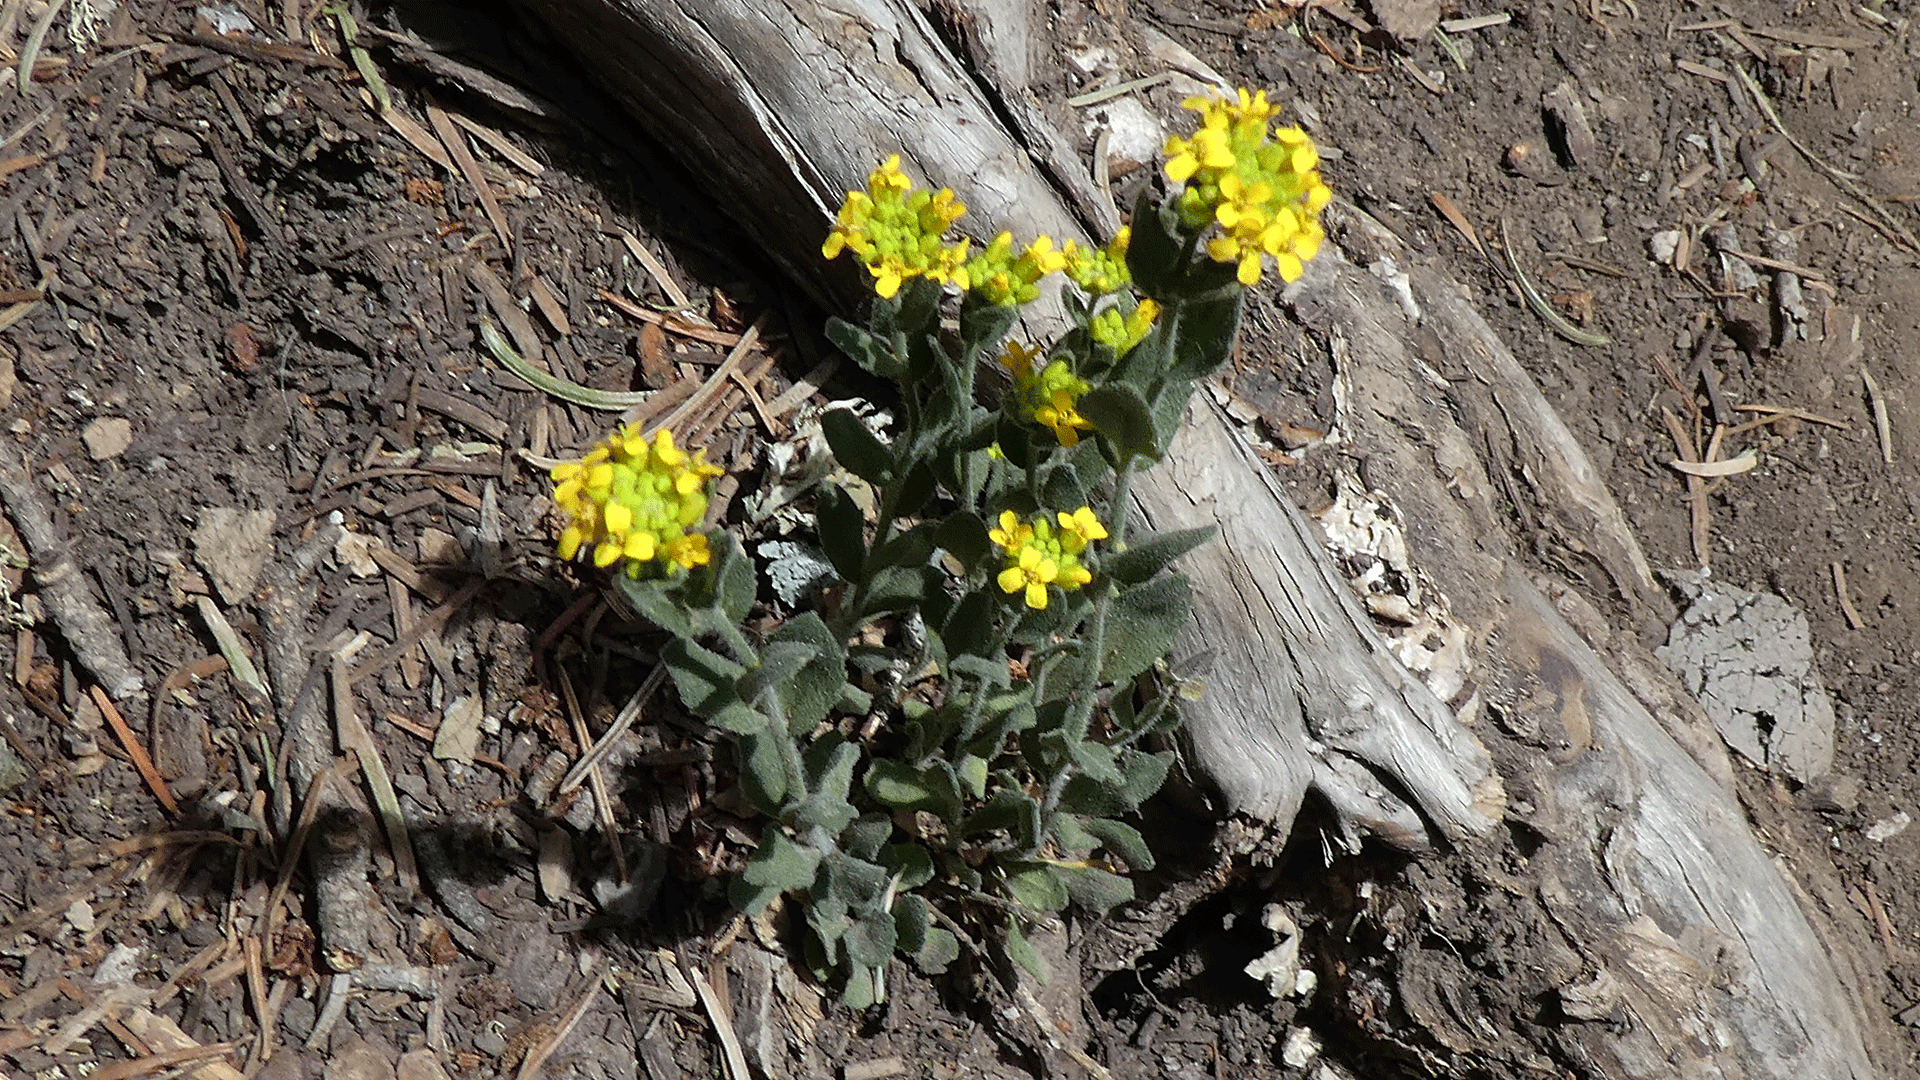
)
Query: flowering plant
[{"x": 982, "y": 780}]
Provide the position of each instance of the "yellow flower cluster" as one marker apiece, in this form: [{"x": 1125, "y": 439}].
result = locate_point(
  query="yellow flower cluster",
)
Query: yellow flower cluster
[
  {"x": 1123, "y": 331},
  {"x": 1103, "y": 270},
  {"x": 1049, "y": 396},
  {"x": 897, "y": 232},
  {"x": 1040, "y": 553},
  {"x": 630, "y": 500},
  {"x": 998, "y": 276},
  {"x": 1265, "y": 193}
]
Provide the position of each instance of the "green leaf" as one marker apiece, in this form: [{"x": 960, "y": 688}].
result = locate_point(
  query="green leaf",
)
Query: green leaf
[
  {"x": 1121, "y": 414},
  {"x": 904, "y": 787},
  {"x": 964, "y": 536},
  {"x": 828, "y": 769},
  {"x": 1094, "y": 889},
  {"x": 1022, "y": 952},
  {"x": 914, "y": 490},
  {"x": 1037, "y": 885},
  {"x": 857, "y": 449},
  {"x": 812, "y": 692},
  {"x": 911, "y": 548},
  {"x": 1147, "y": 556},
  {"x": 898, "y": 785},
  {"x": 973, "y": 775},
  {"x": 779, "y": 662},
  {"x": 706, "y": 680},
  {"x": 1155, "y": 251},
  {"x": 918, "y": 306},
  {"x": 735, "y": 582},
  {"x": 1096, "y": 761},
  {"x": 1121, "y": 839},
  {"x": 983, "y": 326},
  {"x": 973, "y": 625},
  {"x": 938, "y": 953},
  {"x": 1141, "y": 773},
  {"x": 1010, "y": 809},
  {"x": 766, "y": 778},
  {"x": 1062, "y": 489},
  {"x": 871, "y": 938},
  {"x": 912, "y": 917},
  {"x": 862, "y": 990},
  {"x": 1073, "y": 840},
  {"x": 986, "y": 670},
  {"x": 843, "y": 532},
  {"x": 1145, "y": 773},
  {"x": 1208, "y": 329},
  {"x": 865, "y": 838},
  {"x": 781, "y": 863},
  {"x": 910, "y": 862},
  {"x": 829, "y": 766},
  {"x": 896, "y": 588},
  {"x": 865, "y": 349},
  {"x": 1142, "y": 624},
  {"x": 655, "y": 602}
]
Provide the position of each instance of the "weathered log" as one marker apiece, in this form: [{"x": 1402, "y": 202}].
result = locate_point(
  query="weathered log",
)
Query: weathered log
[{"x": 1662, "y": 912}]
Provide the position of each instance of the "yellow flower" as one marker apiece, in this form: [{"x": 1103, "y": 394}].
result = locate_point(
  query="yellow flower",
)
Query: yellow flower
[
  {"x": 998, "y": 276},
  {"x": 1123, "y": 332},
  {"x": 1099, "y": 271},
  {"x": 1260, "y": 186},
  {"x": 1030, "y": 572},
  {"x": 630, "y": 500},
  {"x": 1050, "y": 396},
  {"x": 897, "y": 232},
  {"x": 1036, "y": 556},
  {"x": 1079, "y": 529}
]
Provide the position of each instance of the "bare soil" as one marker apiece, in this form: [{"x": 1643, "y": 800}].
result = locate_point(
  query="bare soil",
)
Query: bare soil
[{"x": 243, "y": 322}]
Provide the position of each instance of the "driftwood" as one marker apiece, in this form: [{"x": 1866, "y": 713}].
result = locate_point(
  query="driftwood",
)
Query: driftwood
[{"x": 1657, "y": 912}]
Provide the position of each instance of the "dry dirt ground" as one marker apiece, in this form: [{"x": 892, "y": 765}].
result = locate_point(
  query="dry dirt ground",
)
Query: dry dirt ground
[{"x": 239, "y": 370}]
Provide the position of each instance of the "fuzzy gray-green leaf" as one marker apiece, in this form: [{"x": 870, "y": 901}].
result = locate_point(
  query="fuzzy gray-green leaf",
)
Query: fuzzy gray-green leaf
[
  {"x": 1122, "y": 839},
  {"x": 1094, "y": 889},
  {"x": 857, "y": 449},
  {"x": 1142, "y": 625},
  {"x": 1037, "y": 885}
]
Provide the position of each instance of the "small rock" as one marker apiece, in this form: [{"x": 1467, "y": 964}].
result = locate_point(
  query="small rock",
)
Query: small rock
[
  {"x": 233, "y": 545},
  {"x": 359, "y": 1059},
  {"x": 80, "y": 916},
  {"x": 121, "y": 965},
  {"x": 1664, "y": 245},
  {"x": 108, "y": 437},
  {"x": 1889, "y": 827},
  {"x": 420, "y": 1065},
  {"x": 355, "y": 552}
]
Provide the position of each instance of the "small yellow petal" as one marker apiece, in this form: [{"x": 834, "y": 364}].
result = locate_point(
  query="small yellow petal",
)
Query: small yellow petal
[
  {"x": 1011, "y": 579},
  {"x": 618, "y": 517},
  {"x": 606, "y": 554},
  {"x": 1037, "y": 597}
]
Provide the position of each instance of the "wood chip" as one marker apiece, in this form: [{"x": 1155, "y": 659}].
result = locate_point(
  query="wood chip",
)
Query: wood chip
[
  {"x": 551, "y": 309},
  {"x": 1733, "y": 466},
  {"x": 135, "y": 750},
  {"x": 668, "y": 322},
  {"x": 658, "y": 269},
  {"x": 1882, "y": 423},
  {"x": 456, "y": 145},
  {"x": 1696, "y": 490},
  {"x": 1846, "y": 602},
  {"x": 526, "y": 340},
  {"x": 1703, "y": 71},
  {"x": 419, "y": 138},
  {"x": 501, "y": 145}
]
